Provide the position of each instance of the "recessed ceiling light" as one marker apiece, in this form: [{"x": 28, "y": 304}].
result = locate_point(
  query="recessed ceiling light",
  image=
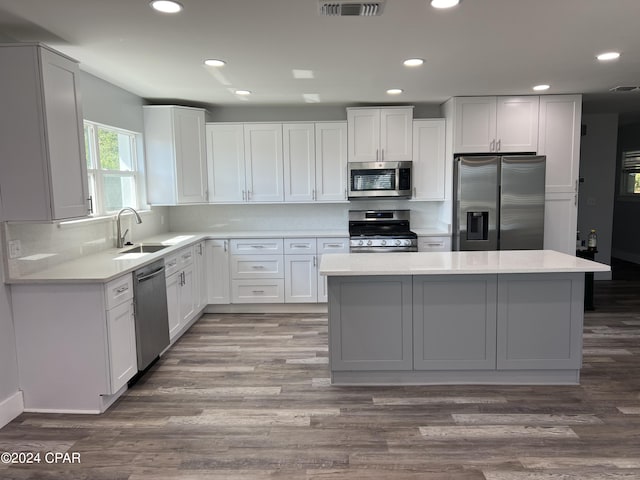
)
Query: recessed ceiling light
[
  {"x": 242, "y": 92},
  {"x": 413, "y": 62},
  {"x": 444, "y": 3},
  {"x": 166, "y": 6},
  {"x": 213, "y": 62},
  {"x": 608, "y": 56},
  {"x": 538, "y": 88},
  {"x": 395, "y": 91}
]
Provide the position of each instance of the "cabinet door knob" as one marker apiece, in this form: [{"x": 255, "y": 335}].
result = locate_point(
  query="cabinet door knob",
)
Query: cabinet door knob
[{"x": 498, "y": 145}]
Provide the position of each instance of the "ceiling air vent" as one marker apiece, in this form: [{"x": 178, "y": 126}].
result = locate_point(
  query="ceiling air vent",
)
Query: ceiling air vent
[
  {"x": 351, "y": 9},
  {"x": 625, "y": 88}
]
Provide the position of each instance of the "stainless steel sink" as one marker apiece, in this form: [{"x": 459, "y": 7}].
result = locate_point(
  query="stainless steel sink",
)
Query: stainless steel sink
[{"x": 144, "y": 249}]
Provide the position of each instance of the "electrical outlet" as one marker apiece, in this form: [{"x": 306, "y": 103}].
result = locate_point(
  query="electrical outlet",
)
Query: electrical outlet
[{"x": 15, "y": 250}]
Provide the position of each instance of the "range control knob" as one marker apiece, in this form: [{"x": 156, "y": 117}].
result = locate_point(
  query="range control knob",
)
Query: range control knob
[
  {"x": 383, "y": 243},
  {"x": 398, "y": 243},
  {"x": 360, "y": 242},
  {"x": 369, "y": 242}
]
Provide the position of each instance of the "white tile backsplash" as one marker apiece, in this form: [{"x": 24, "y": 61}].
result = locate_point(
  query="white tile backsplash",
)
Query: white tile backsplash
[
  {"x": 288, "y": 217},
  {"x": 44, "y": 245}
]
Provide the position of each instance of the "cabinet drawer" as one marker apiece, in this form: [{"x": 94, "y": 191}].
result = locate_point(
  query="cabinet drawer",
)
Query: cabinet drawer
[
  {"x": 185, "y": 257},
  {"x": 332, "y": 245},
  {"x": 171, "y": 264},
  {"x": 118, "y": 291},
  {"x": 257, "y": 291},
  {"x": 299, "y": 246},
  {"x": 434, "y": 244},
  {"x": 257, "y": 266},
  {"x": 258, "y": 246}
]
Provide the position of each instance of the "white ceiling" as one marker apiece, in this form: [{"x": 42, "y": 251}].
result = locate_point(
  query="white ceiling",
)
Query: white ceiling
[{"x": 481, "y": 47}]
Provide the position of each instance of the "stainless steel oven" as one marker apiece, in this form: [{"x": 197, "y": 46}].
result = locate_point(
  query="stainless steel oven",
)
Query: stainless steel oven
[
  {"x": 379, "y": 231},
  {"x": 379, "y": 179}
]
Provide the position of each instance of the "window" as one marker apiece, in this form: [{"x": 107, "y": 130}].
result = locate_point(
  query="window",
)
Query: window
[
  {"x": 112, "y": 168},
  {"x": 630, "y": 174}
]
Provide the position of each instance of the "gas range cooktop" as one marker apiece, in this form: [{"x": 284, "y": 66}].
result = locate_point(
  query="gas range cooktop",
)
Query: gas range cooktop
[{"x": 381, "y": 231}]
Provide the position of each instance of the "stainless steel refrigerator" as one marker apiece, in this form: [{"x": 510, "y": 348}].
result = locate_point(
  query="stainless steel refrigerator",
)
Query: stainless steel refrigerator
[{"x": 498, "y": 202}]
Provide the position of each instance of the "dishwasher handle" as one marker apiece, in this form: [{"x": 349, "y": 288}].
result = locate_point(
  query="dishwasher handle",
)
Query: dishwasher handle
[{"x": 155, "y": 273}]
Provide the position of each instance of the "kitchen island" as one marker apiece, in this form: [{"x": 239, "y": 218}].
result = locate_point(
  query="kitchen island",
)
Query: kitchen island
[{"x": 491, "y": 317}]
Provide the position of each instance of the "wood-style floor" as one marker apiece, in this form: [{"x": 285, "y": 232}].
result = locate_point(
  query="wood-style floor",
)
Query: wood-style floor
[{"x": 248, "y": 397}]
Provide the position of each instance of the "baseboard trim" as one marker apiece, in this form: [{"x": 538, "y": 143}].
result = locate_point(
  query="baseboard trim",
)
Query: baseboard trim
[
  {"x": 10, "y": 408},
  {"x": 320, "y": 308}
]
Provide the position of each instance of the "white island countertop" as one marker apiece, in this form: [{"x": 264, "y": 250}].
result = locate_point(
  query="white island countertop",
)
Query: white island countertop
[{"x": 455, "y": 263}]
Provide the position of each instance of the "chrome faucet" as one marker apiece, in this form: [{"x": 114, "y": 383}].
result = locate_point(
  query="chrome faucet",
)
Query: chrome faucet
[{"x": 120, "y": 236}]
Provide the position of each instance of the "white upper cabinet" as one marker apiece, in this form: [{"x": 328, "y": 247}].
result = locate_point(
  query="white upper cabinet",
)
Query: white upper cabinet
[
  {"x": 263, "y": 162},
  {"x": 245, "y": 162},
  {"x": 299, "y": 162},
  {"x": 429, "y": 166},
  {"x": 225, "y": 159},
  {"x": 175, "y": 155},
  {"x": 495, "y": 124},
  {"x": 559, "y": 140},
  {"x": 274, "y": 162},
  {"x": 380, "y": 134},
  {"x": 331, "y": 161},
  {"x": 315, "y": 161},
  {"x": 43, "y": 172}
]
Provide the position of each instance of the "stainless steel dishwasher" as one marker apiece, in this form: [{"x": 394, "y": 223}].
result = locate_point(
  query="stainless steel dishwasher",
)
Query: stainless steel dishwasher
[{"x": 151, "y": 317}]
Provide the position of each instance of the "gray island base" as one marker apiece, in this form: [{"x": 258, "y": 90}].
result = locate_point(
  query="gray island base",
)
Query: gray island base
[{"x": 456, "y": 318}]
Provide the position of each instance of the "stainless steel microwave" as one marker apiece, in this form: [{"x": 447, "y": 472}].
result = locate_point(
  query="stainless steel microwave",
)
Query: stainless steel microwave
[{"x": 379, "y": 179}]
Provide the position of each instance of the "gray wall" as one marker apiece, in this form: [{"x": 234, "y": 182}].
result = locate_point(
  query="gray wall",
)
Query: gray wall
[
  {"x": 597, "y": 169},
  {"x": 315, "y": 113},
  {"x": 103, "y": 102},
  {"x": 626, "y": 214}
]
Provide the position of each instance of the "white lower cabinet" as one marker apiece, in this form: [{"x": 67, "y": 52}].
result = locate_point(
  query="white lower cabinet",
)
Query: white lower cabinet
[
  {"x": 173, "y": 303},
  {"x": 434, "y": 244},
  {"x": 182, "y": 296},
  {"x": 274, "y": 270},
  {"x": 560, "y": 220},
  {"x": 217, "y": 272},
  {"x": 257, "y": 270},
  {"x": 200, "y": 275},
  {"x": 328, "y": 245},
  {"x": 76, "y": 344},
  {"x": 301, "y": 270},
  {"x": 122, "y": 345}
]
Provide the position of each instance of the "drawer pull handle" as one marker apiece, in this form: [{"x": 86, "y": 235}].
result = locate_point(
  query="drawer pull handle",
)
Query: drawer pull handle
[
  {"x": 257, "y": 291},
  {"x": 257, "y": 246},
  {"x": 172, "y": 263},
  {"x": 258, "y": 267},
  {"x": 300, "y": 245},
  {"x": 122, "y": 289},
  {"x": 334, "y": 245}
]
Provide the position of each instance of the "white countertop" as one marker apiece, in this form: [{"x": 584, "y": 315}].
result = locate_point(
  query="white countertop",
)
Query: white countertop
[
  {"x": 456, "y": 263},
  {"x": 111, "y": 263}
]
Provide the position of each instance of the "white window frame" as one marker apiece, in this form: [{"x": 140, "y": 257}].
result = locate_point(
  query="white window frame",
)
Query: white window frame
[
  {"x": 629, "y": 163},
  {"x": 94, "y": 173}
]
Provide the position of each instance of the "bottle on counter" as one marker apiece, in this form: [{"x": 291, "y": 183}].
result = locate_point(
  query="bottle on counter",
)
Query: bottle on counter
[{"x": 592, "y": 240}]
